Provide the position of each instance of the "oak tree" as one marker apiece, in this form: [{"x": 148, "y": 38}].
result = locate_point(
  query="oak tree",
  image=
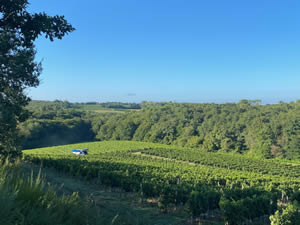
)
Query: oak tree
[{"x": 18, "y": 68}]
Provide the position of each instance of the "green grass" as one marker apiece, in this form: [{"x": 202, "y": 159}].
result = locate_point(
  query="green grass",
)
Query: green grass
[
  {"x": 101, "y": 109},
  {"x": 25, "y": 199}
]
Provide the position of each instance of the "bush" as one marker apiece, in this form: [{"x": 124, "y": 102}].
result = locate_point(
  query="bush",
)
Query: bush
[
  {"x": 288, "y": 216},
  {"x": 28, "y": 201}
]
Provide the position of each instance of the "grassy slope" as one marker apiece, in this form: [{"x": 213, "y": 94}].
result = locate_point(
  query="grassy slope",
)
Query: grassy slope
[
  {"x": 117, "y": 202},
  {"x": 96, "y": 148},
  {"x": 99, "y": 147},
  {"x": 101, "y": 109},
  {"x": 112, "y": 146},
  {"x": 112, "y": 202},
  {"x": 123, "y": 206}
]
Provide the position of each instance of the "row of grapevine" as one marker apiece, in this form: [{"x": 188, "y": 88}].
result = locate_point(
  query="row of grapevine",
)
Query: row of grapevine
[
  {"x": 229, "y": 161},
  {"x": 198, "y": 187}
]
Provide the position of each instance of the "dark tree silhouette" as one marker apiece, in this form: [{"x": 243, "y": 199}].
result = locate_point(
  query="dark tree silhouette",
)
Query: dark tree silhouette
[{"x": 18, "y": 68}]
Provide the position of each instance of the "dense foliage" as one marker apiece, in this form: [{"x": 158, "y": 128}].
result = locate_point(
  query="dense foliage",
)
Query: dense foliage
[
  {"x": 263, "y": 130},
  {"x": 42, "y": 132},
  {"x": 120, "y": 105},
  {"x": 266, "y": 131},
  {"x": 27, "y": 200},
  {"x": 55, "y": 123},
  {"x": 289, "y": 215},
  {"x": 18, "y": 69}
]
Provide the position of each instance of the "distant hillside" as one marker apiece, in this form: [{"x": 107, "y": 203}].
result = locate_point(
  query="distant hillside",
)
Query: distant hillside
[
  {"x": 267, "y": 131},
  {"x": 88, "y": 106},
  {"x": 246, "y": 127}
]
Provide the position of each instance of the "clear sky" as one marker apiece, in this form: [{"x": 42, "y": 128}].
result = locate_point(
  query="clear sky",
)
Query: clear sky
[{"x": 172, "y": 50}]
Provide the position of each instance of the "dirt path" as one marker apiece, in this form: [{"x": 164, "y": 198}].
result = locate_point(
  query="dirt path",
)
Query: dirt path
[{"x": 122, "y": 206}]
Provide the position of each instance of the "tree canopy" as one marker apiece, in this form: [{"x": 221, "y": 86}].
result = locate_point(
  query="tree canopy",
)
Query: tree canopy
[
  {"x": 267, "y": 131},
  {"x": 18, "y": 68}
]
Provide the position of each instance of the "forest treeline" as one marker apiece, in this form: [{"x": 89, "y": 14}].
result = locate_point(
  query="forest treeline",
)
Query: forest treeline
[
  {"x": 247, "y": 127},
  {"x": 36, "y": 104}
]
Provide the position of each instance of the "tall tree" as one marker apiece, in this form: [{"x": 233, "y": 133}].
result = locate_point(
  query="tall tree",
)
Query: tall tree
[{"x": 18, "y": 68}]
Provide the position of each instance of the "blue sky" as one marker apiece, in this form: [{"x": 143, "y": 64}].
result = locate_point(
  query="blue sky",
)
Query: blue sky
[{"x": 172, "y": 50}]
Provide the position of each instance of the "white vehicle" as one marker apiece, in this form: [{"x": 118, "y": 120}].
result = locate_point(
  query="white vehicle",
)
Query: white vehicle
[{"x": 80, "y": 151}]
